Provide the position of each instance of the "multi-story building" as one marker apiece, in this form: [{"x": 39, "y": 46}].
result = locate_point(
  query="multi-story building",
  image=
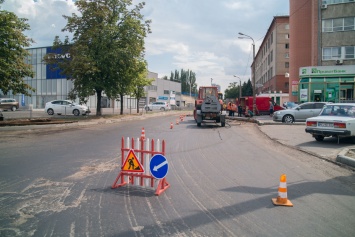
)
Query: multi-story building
[
  {"x": 322, "y": 50},
  {"x": 272, "y": 58},
  {"x": 52, "y": 85}
]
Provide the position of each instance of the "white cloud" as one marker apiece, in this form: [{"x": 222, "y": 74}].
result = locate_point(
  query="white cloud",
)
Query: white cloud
[{"x": 200, "y": 35}]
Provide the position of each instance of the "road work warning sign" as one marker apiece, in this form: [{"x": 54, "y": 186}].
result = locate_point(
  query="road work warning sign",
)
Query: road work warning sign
[{"x": 132, "y": 164}]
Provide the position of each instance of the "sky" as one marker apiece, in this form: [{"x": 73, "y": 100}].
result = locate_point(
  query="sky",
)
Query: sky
[{"x": 197, "y": 35}]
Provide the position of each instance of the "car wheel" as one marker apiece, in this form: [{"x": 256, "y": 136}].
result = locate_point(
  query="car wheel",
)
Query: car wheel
[
  {"x": 50, "y": 112},
  {"x": 288, "y": 119},
  {"x": 146, "y": 108},
  {"x": 162, "y": 109},
  {"x": 13, "y": 108},
  {"x": 76, "y": 112},
  {"x": 319, "y": 138}
]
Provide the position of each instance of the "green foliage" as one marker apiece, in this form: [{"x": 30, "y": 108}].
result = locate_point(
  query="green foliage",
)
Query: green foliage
[
  {"x": 107, "y": 49},
  {"x": 232, "y": 91},
  {"x": 140, "y": 82},
  {"x": 186, "y": 78},
  {"x": 12, "y": 54}
]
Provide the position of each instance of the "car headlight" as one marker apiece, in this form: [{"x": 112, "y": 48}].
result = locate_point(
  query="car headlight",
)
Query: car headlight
[{"x": 278, "y": 112}]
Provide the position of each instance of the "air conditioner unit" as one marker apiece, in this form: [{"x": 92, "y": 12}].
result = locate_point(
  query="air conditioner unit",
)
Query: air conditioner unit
[
  {"x": 324, "y": 6},
  {"x": 339, "y": 62}
]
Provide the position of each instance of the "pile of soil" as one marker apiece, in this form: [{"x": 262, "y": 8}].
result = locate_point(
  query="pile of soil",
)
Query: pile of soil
[{"x": 40, "y": 121}]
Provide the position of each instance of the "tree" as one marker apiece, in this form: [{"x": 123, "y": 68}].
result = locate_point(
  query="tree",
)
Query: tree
[
  {"x": 107, "y": 46},
  {"x": 13, "y": 66},
  {"x": 233, "y": 90},
  {"x": 140, "y": 81},
  {"x": 248, "y": 88},
  {"x": 186, "y": 78}
]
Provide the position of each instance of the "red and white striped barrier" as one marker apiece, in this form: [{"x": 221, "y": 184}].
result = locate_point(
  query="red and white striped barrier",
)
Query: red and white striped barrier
[{"x": 135, "y": 160}]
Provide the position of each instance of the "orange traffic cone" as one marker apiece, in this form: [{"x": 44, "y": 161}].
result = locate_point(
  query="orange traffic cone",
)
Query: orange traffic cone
[
  {"x": 171, "y": 125},
  {"x": 143, "y": 134},
  {"x": 281, "y": 199}
]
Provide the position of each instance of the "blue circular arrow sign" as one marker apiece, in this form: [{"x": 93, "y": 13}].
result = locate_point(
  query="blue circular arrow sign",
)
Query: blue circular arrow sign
[{"x": 158, "y": 166}]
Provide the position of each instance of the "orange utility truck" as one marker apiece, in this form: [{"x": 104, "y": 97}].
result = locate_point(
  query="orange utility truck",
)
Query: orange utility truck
[{"x": 208, "y": 106}]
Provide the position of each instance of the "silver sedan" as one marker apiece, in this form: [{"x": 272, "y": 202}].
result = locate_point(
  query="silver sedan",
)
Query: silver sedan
[{"x": 299, "y": 113}]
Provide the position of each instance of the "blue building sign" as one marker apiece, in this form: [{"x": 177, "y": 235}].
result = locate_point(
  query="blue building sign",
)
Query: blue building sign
[
  {"x": 162, "y": 98},
  {"x": 56, "y": 74}
]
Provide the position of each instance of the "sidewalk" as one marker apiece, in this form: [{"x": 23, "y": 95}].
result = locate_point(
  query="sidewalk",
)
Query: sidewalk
[{"x": 294, "y": 135}]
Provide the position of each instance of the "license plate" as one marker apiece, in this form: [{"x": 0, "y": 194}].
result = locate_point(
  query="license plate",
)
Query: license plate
[{"x": 327, "y": 125}]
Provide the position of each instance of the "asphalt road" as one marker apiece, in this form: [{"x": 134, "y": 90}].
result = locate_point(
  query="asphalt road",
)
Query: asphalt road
[{"x": 57, "y": 182}]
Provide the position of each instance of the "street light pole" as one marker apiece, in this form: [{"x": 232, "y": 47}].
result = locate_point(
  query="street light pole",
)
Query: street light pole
[
  {"x": 211, "y": 81},
  {"x": 240, "y": 87},
  {"x": 254, "y": 98}
]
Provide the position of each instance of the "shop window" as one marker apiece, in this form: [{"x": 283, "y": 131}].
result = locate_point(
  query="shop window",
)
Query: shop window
[{"x": 331, "y": 92}]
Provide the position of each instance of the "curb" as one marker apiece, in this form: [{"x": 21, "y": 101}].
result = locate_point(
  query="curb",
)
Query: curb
[{"x": 345, "y": 159}]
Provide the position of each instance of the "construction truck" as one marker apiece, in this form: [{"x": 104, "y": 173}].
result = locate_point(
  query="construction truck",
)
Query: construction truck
[{"x": 208, "y": 106}]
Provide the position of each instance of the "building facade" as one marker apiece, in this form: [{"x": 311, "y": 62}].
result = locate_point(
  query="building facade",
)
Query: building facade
[
  {"x": 327, "y": 83},
  {"x": 322, "y": 50},
  {"x": 52, "y": 85},
  {"x": 163, "y": 90},
  {"x": 272, "y": 58}
]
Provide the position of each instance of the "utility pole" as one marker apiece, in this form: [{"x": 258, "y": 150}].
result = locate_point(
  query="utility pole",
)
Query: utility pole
[
  {"x": 240, "y": 87},
  {"x": 244, "y": 36}
]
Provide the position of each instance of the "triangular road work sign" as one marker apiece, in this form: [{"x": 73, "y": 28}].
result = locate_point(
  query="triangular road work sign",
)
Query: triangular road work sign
[{"x": 132, "y": 164}]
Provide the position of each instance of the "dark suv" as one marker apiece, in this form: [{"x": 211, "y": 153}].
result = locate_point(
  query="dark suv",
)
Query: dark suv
[{"x": 7, "y": 103}]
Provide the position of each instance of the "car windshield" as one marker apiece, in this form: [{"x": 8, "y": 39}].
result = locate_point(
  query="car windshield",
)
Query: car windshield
[
  {"x": 290, "y": 105},
  {"x": 338, "y": 110}
]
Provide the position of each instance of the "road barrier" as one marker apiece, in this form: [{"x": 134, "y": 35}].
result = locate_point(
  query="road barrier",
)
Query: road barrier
[
  {"x": 143, "y": 134},
  {"x": 281, "y": 199},
  {"x": 136, "y": 165}
]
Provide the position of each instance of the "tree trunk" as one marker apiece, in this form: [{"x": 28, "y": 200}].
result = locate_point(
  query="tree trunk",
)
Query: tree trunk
[
  {"x": 98, "y": 104},
  {"x": 121, "y": 111},
  {"x": 137, "y": 106}
]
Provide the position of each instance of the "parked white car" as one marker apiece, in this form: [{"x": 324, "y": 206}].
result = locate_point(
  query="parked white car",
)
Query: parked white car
[
  {"x": 336, "y": 120},
  {"x": 162, "y": 106},
  {"x": 65, "y": 107}
]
